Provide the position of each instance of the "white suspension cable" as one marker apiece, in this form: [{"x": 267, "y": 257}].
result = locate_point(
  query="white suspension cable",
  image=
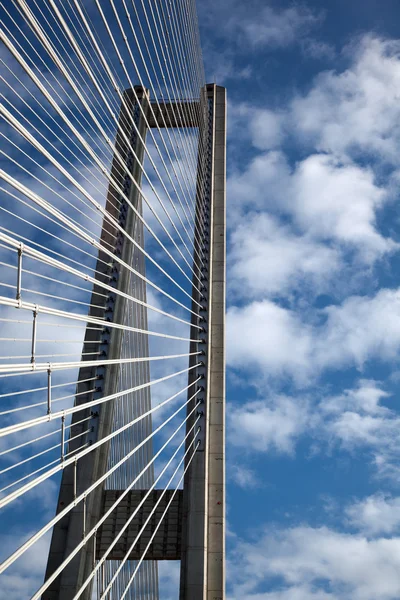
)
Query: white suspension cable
[
  {"x": 25, "y": 477},
  {"x": 156, "y": 528},
  {"x": 23, "y": 63},
  {"x": 71, "y": 140},
  {"x": 81, "y": 133},
  {"x": 47, "y": 310},
  {"x": 40, "y": 33},
  {"x": 59, "y": 265},
  {"x": 52, "y": 176},
  {"x": 42, "y": 437},
  {"x": 52, "y": 279},
  {"x": 38, "y": 454},
  {"x": 8, "y": 562},
  {"x": 41, "y": 389},
  {"x": 53, "y": 89},
  {"x": 122, "y": 496},
  {"x": 79, "y": 232},
  {"x": 53, "y": 401},
  {"x": 69, "y": 411},
  {"x": 133, "y": 89}
]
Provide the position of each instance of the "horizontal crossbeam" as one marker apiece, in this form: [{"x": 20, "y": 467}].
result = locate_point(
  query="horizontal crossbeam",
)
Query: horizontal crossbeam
[
  {"x": 181, "y": 113},
  {"x": 176, "y": 114},
  {"x": 167, "y": 541}
]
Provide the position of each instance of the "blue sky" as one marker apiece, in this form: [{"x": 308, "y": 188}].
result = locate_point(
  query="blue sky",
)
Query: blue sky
[
  {"x": 313, "y": 302},
  {"x": 313, "y": 332}
]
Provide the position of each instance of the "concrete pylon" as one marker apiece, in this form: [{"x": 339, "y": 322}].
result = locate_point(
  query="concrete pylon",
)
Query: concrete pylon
[
  {"x": 203, "y": 540},
  {"x": 95, "y": 382},
  {"x": 194, "y": 528}
]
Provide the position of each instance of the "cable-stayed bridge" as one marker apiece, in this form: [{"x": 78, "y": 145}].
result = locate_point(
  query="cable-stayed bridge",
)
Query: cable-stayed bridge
[{"x": 112, "y": 301}]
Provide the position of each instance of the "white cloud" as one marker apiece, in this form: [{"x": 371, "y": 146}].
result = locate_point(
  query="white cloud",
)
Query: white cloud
[
  {"x": 375, "y": 515},
  {"x": 257, "y": 25},
  {"x": 263, "y": 184},
  {"x": 26, "y": 575},
  {"x": 266, "y": 128},
  {"x": 328, "y": 563},
  {"x": 169, "y": 572},
  {"x": 266, "y": 258},
  {"x": 349, "y": 113},
  {"x": 317, "y": 50},
  {"x": 365, "y": 398},
  {"x": 339, "y": 201},
  {"x": 272, "y": 343},
  {"x": 257, "y": 426},
  {"x": 302, "y": 592},
  {"x": 354, "y": 421},
  {"x": 225, "y": 67},
  {"x": 279, "y": 28},
  {"x": 244, "y": 477},
  {"x": 263, "y": 335},
  {"x": 353, "y": 431},
  {"x": 275, "y": 341},
  {"x": 356, "y": 110},
  {"x": 328, "y": 200},
  {"x": 329, "y": 204},
  {"x": 360, "y": 329}
]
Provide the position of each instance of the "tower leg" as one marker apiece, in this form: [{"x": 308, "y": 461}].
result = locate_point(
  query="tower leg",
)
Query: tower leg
[
  {"x": 68, "y": 532},
  {"x": 203, "y": 541}
]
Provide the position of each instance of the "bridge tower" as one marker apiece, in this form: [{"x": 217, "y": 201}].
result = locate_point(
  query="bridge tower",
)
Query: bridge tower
[{"x": 190, "y": 525}]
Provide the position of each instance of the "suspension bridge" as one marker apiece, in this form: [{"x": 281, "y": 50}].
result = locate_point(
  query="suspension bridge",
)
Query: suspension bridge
[{"x": 112, "y": 303}]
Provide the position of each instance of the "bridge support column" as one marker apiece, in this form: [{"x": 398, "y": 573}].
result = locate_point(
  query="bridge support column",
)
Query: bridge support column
[
  {"x": 194, "y": 528},
  {"x": 203, "y": 543},
  {"x": 68, "y": 532}
]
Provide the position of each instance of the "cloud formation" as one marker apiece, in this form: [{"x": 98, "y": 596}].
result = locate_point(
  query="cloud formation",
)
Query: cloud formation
[
  {"x": 318, "y": 563},
  {"x": 354, "y": 111},
  {"x": 378, "y": 514},
  {"x": 268, "y": 258},
  {"x": 279, "y": 28},
  {"x": 274, "y": 341},
  {"x": 355, "y": 421},
  {"x": 300, "y": 224},
  {"x": 327, "y": 201},
  {"x": 257, "y": 426}
]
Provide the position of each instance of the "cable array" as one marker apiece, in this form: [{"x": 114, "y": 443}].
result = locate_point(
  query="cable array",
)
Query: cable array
[{"x": 103, "y": 259}]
